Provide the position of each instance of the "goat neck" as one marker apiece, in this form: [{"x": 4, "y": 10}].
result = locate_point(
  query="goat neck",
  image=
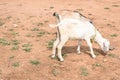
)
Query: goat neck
[{"x": 99, "y": 39}]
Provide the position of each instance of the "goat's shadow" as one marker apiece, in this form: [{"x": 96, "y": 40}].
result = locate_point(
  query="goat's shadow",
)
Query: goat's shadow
[{"x": 83, "y": 49}]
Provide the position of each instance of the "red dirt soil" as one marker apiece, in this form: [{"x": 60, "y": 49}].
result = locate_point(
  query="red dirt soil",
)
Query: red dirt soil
[{"x": 26, "y": 22}]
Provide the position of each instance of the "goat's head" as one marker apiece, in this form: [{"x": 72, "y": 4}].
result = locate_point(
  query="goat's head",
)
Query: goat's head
[{"x": 106, "y": 45}]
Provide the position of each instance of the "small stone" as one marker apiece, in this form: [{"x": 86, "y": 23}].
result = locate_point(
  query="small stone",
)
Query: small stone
[
  {"x": 15, "y": 25},
  {"x": 105, "y": 60}
]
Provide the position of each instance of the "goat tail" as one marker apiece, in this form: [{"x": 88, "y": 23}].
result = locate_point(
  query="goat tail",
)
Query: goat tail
[
  {"x": 53, "y": 25},
  {"x": 58, "y": 16}
]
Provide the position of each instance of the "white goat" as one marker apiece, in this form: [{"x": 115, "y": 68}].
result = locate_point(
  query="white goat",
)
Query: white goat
[
  {"x": 76, "y": 29},
  {"x": 71, "y": 14}
]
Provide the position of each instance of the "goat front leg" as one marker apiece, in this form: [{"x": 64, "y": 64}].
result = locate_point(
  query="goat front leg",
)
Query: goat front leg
[
  {"x": 59, "y": 47},
  {"x": 78, "y": 48},
  {"x": 54, "y": 47},
  {"x": 91, "y": 49}
]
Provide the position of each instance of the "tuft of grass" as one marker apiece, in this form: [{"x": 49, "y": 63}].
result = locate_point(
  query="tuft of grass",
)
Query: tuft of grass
[
  {"x": 16, "y": 64},
  {"x": 48, "y": 33},
  {"x": 14, "y": 33},
  {"x": 50, "y": 43},
  {"x": 35, "y": 29},
  {"x": 8, "y": 17},
  {"x": 40, "y": 24},
  {"x": 40, "y": 34},
  {"x": 29, "y": 35},
  {"x": 11, "y": 57},
  {"x": 34, "y": 62},
  {"x": 4, "y": 42},
  {"x": 114, "y": 35},
  {"x": 84, "y": 71},
  {"x": 112, "y": 55},
  {"x": 55, "y": 72},
  {"x": 1, "y": 22},
  {"x": 27, "y": 47},
  {"x": 15, "y": 42},
  {"x": 97, "y": 65},
  {"x": 15, "y": 47}
]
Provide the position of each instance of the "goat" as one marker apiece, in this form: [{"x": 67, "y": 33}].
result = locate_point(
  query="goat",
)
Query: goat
[
  {"x": 76, "y": 29},
  {"x": 71, "y": 14}
]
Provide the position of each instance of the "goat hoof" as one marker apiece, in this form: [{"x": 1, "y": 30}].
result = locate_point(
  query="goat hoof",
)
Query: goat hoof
[
  {"x": 53, "y": 56},
  {"x": 78, "y": 52},
  {"x": 61, "y": 60},
  {"x": 94, "y": 56}
]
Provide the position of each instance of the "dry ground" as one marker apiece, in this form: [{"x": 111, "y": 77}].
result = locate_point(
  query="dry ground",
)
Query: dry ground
[{"x": 25, "y": 41}]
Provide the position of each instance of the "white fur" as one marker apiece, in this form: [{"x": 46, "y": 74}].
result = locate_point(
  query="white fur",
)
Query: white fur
[
  {"x": 63, "y": 14},
  {"x": 77, "y": 29}
]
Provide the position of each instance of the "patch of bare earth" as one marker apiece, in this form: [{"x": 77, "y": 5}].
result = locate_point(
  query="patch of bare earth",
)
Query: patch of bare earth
[{"x": 25, "y": 39}]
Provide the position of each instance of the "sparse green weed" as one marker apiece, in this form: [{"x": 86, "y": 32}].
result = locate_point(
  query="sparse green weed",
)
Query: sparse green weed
[
  {"x": 11, "y": 57},
  {"x": 14, "y": 33},
  {"x": 97, "y": 65},
  {"x": 27, "y": 47},
  {"x": 40, "y": 34},
  {"x": 112, "y": 55},
  {"x": 35, "y": 29},
  {"x": 40, "y": 24},
  {"x": 16, "y": 64},
  {"x": 15, "y": 47},
  {"x": 15, "y": 42},
  {"x": 8, "y": 17},
  {"x": 4, "y": 42},
  {"x": 34, "y": 62},
  {"x": 84, "y": 71},
  {"x": 114, "y": 35},
  {"x": 50, "y": 44},
  {"x": 55, "y": 72},
  {"x": 48, "y": 33},
  {"x": 1, "y": 22},
  {"x": 28, "y": 35}
]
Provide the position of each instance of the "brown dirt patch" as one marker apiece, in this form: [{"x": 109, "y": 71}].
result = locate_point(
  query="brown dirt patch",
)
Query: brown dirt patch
[{"x": 24, "y": 35}]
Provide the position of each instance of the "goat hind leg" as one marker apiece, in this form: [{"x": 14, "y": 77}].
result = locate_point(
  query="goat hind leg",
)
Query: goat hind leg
[
  {"x": 54, "y": 47},
  {"x": 60, "y": 45}
]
